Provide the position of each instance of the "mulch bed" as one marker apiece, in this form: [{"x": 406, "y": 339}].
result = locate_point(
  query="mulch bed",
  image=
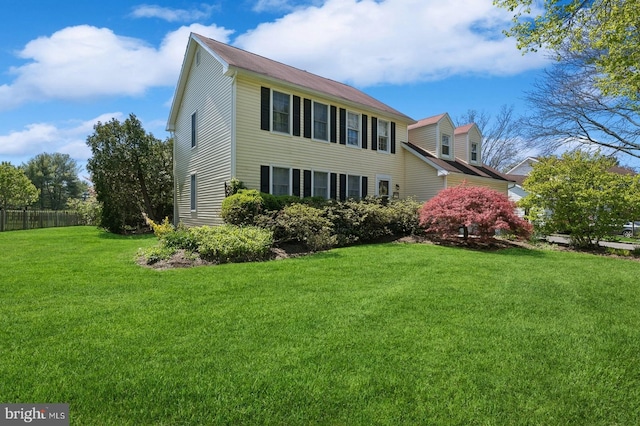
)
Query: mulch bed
[{"x": 286, "y": 251}]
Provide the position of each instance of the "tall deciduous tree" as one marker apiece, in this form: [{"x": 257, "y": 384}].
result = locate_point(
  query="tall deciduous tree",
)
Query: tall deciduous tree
[
  {"x": 609, "y": 27},
  {"x": 132, "y": 173},
  {"x": 577, "y": 193},
  {"x": 569, "y": 110},
  {"x": 56, "y": 177},
  {"x": 502, "y": 142},
  {"x": 16, "y": 190}
]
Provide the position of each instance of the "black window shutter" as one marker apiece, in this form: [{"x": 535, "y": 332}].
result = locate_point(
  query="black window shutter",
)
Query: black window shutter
[
  {"x": 374, "y": 133},
  {"x": 393, "y": 137},
  {"x": 334, "y": 124},
  {"x": 264, "y": 179},
  {"x": 296, "y": 182},
  {"x": 265, "y": 101},
  {"x": 296, "y": 115},
  {"x": 307, "y": 184},
  {"x": 343, "y": 126},
  {"x": 343, "y": 187},
  {"x": 307, "y": 118},
  {"x": 365, "y": 186},
  {"x": 365, "y": 131},
  {"x": 333, "y": 193}
]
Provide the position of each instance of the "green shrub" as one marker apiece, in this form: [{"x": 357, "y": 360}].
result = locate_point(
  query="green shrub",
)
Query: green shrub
[
  {"x": 155, "y": 254},
  {"x": 405, "y": 217},
  {"x": 275, "y": 203},
  {"x": 241, "y": 207},
  {"x": 228, "y": 243},
  {"x": 181, "y": 238},
  {"x": 305, "y": 224},
  {"x": 359, "y": 221}
]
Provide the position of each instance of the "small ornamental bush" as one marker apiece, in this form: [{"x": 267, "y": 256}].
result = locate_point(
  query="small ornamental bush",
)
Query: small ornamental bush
[
  {"x": 242, "y": 207},
  {"x": 159, "y": 229},
  {"x": 155, "y": 254},
  {"x": 228, "y": 243},
  {"x": 481, "y": 211},
  {"x": 405, "y": 217},
  {"x": 305, "y": 224},
  {"x": 359, "y": 221}
]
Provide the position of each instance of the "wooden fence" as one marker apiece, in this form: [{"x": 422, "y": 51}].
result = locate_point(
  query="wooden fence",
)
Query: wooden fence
[{"x": 11, "y": 220}]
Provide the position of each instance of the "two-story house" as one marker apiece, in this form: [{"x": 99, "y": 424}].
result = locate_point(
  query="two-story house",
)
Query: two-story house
[{"x": 283, "y": 130}]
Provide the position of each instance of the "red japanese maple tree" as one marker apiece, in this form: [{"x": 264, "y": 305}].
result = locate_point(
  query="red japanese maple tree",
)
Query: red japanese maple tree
[{"x": 476, "y": 210}]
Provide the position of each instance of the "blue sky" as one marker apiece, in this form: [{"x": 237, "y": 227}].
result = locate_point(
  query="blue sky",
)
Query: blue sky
[{"x": 64, "y": 65}]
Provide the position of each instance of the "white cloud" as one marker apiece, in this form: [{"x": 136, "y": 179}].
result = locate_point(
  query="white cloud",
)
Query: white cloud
[
  {"x": 85, "y": 62},
  {"x": 276, "y": 6},
  {"x": 173, "y": 15},
  {"x": 68, "y": 138},
  {"x": 371, "y": 42}
]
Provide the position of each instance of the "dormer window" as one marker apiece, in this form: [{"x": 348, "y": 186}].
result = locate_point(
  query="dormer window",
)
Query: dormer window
[
  {"x": 474, "y": 152},
  {"x": 446, "y": 145}
]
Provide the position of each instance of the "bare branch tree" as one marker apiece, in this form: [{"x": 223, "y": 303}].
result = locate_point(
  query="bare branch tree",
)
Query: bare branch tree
[
  {"x": 502, "y": 145},
  {"x": 569, "y": 111}
]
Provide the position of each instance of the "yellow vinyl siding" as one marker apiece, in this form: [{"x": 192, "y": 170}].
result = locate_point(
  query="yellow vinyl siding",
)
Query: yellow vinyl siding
[
  {"x": 208, "y": 93},
  {"x": 426, "y": 137},
  {"x": 421, "y": 180},
  {"x": 462, "y": 147},
  {"x": 455, "y": 179},
  {"x": 256, "y": 147}
]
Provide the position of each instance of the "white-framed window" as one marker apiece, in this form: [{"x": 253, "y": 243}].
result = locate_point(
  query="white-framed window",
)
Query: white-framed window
[
  {"x": 194, "y": 129},
  {"x": 320, "y": 184},
  {"x": 383, "y": 186},
  {"x": 445, "y": 148},
  {"x": 353, "y": 129},
  {"x": 383, "y": 136},
  {"x": 280, "y": 181},
  {"x": 320, "y": 121},
  {"x": 354, "y": 187},
  {"x": 193, "y": 193},
  {"x": 280, "y": 112},
  {"x": 474, "y": 151}
]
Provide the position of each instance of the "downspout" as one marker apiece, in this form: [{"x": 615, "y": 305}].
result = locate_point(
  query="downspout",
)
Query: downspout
[{"x": 233, "y": 123}]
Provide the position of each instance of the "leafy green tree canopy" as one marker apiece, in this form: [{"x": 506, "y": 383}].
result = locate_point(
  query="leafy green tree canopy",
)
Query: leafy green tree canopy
[
  {"x": 578, "y": 193},
  {"x": 610, "y": 27},
  {"x": 16, "y": 190},
  {"x": 132, "y": 173},
  {"x": 56, "y": 177}
]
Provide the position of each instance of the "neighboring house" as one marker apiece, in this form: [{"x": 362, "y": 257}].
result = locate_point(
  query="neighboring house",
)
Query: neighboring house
[
  {"x": 442, "y": 156},
  {"x": 518, "y": 174},
  {"x": 286, "y": 131}
]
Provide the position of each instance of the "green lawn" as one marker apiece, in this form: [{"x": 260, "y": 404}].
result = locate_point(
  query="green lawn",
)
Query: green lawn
[{"x": 388, "y": 334}]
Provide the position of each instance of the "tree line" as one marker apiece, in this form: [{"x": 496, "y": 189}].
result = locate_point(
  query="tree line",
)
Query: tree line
[{"x": 131, "y": 173}]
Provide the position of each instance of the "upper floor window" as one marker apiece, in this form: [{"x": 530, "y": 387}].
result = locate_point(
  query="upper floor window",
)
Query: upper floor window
[
  {"x": 353, "y": 129},
  {"x": 445, "y": 148},
  {"x": 194, "y": 127},
  {"x": 321, "y": 184},
  {"x": 383, "y": 136},
  {"x": 320, "y": 121},
  {"x": 281, "y": 112},
  {"x": 281, "y": 181},
  {"x": 474, "y": 152}
]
